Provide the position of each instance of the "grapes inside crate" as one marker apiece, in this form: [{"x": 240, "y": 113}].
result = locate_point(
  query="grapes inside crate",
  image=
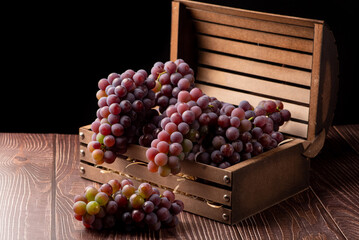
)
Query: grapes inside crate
[{"x": 214, "y": 133}]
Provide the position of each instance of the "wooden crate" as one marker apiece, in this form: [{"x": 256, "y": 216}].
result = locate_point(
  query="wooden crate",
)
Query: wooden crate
[{"x": 244, "y": 55}]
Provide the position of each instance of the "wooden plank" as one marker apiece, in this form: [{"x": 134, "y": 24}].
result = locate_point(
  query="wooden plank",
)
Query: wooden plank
[
  {"x": 334, "y": 180},
  {"x": 26, "y": 180},
  {"x": 268, "y": 179},
  {"x": 299, "y": 217},
  {"x": 315, "y": 83},
  {"x": 252, "y": 23},
  {"x": 174, "y": 30},
  {"x": 295, "y": 128},
  {"x": 255, "y": 68},
  {"x": 251, "y": 14},
  {"x": 252, "y": 36},
  {"x": 257, "y": 86},
  {"x": 234, "y": 97},
  {"x": 254, "y": 51}
]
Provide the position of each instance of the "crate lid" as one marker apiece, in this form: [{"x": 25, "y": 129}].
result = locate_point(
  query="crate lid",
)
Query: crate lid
[{"x": 247, "y": 55}]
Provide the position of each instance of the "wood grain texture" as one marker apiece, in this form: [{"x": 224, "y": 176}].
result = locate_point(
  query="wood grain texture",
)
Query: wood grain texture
[
  {"x": 26, "y": 162},
  {"x": 350, "y": 133},
  {"x": 335, "y": 174},
  {"x": 39, "y": 178}
]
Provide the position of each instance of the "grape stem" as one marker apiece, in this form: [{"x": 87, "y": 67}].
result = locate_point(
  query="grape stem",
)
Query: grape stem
[{"x": 159, "y": 75}]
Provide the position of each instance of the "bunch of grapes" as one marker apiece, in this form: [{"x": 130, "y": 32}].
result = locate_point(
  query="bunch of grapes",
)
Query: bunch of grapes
[
  {"x": 185, "y": 124},
  {"x": 125, "y": 101},
  {"x": 120, "y": 205},
  {"x": 201, "y": 128},
  {"x": 243, "y": 132},
  {"x": 171, "y": 78}
]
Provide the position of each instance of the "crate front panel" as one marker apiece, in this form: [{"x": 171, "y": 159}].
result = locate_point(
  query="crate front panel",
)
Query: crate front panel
[
  {"x": 193, "y": 205},
  {"x": 245, "y": 55},
  {"x": 219, "y": 194}
]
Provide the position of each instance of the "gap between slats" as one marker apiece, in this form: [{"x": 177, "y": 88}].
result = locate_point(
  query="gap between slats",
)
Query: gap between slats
[
  {"x": 258, "y": 86},
  {"x": 252, "y": 23},
  {"x": 270, "y": 39}
]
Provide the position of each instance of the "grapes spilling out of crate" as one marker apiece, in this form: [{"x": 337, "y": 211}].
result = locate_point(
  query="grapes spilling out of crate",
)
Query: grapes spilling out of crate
[
  {"x": 187, "y": 125},
  {"x": 120, "y": 205}
]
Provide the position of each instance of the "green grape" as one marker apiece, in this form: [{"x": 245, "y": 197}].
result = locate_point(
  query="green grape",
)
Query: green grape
[
  {"x": 100, "y": 137},
  {"x": 102, "y": 198},
  {"x": 145, "y": 190},
  {"x": 91, "y": 193},
  {"x": 136, "y": 201},
  {"x": 164, "y": 171},
  {"x": 93, "y": 208},
  {"x": 128, "y": 190}
]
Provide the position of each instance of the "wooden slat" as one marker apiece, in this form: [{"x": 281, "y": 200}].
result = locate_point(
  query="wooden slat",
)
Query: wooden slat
[
  {"x": 256, "y": 68},
  {"x": 174, "y": 30},
  {"x": 254, "y": 51},
  {"x": 234, "y": 97},
  {"x": 252, "y": 36},
  {"x": 252, "y": 23},
  {"x": 251, "y": 14},
  {"x": 258, "y": 86},
  {"x": 314, "y": 88},
  {"x": 295, "y": 128}
]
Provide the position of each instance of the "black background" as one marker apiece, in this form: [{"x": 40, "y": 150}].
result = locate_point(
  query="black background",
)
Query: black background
[{"x": 54, "y": 54}]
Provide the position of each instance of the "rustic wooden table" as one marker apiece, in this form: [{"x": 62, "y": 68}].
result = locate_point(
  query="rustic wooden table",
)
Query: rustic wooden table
[{"x": 39, "y": 178}]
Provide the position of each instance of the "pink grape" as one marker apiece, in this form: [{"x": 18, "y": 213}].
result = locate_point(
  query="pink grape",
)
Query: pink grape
[
  {"x": 161, "y": 159},
  {"x": 163, "y": 147}
]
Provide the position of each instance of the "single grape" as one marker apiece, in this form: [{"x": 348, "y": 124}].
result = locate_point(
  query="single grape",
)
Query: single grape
[
  {"x": 128, "y": 190},
  {"x": 79, "y": 208},
  {"x": 227, "y": 150},
  {"x": 136, "y": 201},
  {"x": 102, "y": 198},
  {"x": 111, "y": 207},
  {"x": 232, "y": 133},
  {"x": 148, "y": 207},
  {"x": 145, "y": 190},
  {"x": 164, "y": 171},
  {"x": 93, "y": 207}
]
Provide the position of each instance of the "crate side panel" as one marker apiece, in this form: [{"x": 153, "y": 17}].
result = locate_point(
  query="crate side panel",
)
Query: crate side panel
[
  {"x": 191, "y": 204},
  {"x": 253, "y": 85},
  {"x": 266, "y": 181},
  {"x": 260, "y": 69}
]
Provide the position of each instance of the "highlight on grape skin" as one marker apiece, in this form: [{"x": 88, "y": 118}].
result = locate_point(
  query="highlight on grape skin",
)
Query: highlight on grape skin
[{"x": 122, "y": 206}]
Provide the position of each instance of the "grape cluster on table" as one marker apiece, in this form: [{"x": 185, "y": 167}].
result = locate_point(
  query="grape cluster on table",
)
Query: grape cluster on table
[
  {"x": 165, "y": 112},
  {"x": 121, "y": 205}
]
